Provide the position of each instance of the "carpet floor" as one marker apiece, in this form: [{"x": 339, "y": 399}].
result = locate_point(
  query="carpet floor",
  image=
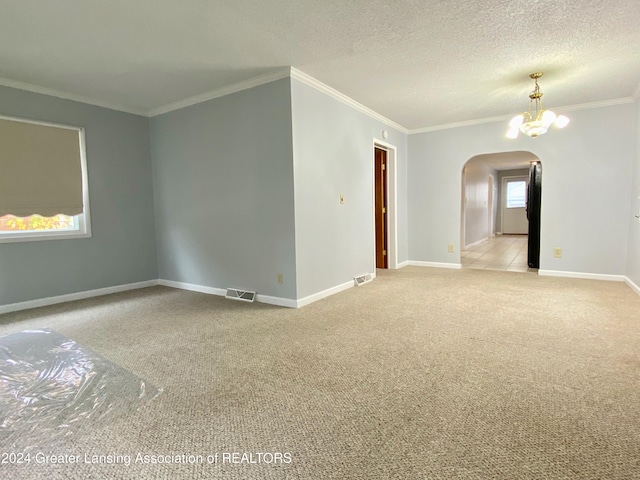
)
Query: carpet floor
[{"x": 422, "y": 374}]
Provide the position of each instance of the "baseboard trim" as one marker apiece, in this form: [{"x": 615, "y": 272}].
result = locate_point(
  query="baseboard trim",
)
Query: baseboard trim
[
  {"x": 43, "y": 302},
  {"x": 192, "y": 287},
  {"x": 403, "y": 264},
  {"x": 327, "y": 293},
  {"x": 587, "y": 276},
  {"x": 632, "y": 285},
  {"x": 471, "y": 245},
  {"x": 456, "y": 266},
  {"x": 221, "y": 292},
  {"x": 279, "y": 301}
]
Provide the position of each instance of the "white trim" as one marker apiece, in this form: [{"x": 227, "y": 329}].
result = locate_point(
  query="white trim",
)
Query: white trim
[
  {"x": 392, "y": 203},
  {"x": 471, "y": 245},
  {"x": 86, "y": 209},
  {"x": 43, "y": 302},
  {"x": 41, "y": 122},
  {"x": 279, "y": 301},
  {"x": 632, "y": 285},
  {"x": 221, "y": 92},
  {"x": 586, "y": 276},
  {"x": 70, "y": 96},
  {"x": 466, "y": 123},
  {"x": 502, "y": 118},
  {"x": 456, "y": 266},
  {"x": 221, "y": 292},
  {"x": 601, "y": 104},
  {"x": 192, "y": 287},
  {"x": 636, "y": 93},
  {"x": 38, "y": 236},
  {"x": 325, "y": 293},
  {"x": 332, "y": 92},
  {"x": 403, "y": 264},
  {"x": 301, "y": 76}
]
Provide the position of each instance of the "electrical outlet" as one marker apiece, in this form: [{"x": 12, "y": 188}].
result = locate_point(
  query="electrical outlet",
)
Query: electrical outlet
[
  {"x": 280, "y": 280},
  {"x": 557, "y": 252},
  {"x": 451, "y": 248}
]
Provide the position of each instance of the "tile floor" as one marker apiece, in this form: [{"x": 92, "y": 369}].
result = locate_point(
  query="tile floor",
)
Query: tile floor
[{"x": 502, "y": 252}]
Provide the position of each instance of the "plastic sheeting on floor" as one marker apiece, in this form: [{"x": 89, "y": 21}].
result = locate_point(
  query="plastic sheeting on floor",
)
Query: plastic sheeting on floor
[{"x": 50, "y": 387}]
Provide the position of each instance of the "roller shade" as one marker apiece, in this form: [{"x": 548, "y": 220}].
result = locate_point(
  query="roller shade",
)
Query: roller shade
[{"x": 40, "y": 169}]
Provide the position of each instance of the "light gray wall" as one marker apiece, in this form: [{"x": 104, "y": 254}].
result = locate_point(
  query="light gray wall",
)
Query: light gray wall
[
  {"x": 585, "y": 201},
  {"x": 520, "y": 172},
  {"x": 223, "y": 185},
  {"x": 633, "y": 261},
  {"x": 476, "y": 200},
  {"x": 333, "y": 155},
  {"x": 122, "y": 248}
]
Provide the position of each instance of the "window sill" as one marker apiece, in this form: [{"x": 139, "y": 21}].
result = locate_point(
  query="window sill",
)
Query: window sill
[{"x": 31, "y": 237}]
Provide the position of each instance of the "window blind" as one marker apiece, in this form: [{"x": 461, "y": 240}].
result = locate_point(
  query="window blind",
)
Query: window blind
[{"x": 40, "y": 169}]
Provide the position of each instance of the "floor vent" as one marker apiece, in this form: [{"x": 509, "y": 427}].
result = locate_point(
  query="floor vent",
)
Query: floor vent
[
  {"x": 362, "y": 279},
  {"x": 242, "y": 295}
]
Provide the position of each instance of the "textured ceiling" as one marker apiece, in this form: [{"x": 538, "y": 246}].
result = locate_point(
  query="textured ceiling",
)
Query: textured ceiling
[
  {"x": 506, "y": 160},
  {"x": 420, "y": 63}
]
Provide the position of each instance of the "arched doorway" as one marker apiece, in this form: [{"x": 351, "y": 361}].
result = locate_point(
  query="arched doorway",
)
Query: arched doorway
[{"x": 500, "y": 213}]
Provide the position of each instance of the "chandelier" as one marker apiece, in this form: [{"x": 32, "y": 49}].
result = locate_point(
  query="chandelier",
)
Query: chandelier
[{"x": 535, "y": 121}]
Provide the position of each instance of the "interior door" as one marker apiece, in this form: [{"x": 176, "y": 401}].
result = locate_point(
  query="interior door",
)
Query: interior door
[
  {"x": 381, "y": 207},
  {"x": 534, "y": 202},
  {"x": 514, "y": 200}
]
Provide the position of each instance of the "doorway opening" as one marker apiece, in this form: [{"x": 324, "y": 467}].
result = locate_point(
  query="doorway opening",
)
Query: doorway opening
[
  {"x": 500, "y": 212},
  {"x": 384, "y": 205}
]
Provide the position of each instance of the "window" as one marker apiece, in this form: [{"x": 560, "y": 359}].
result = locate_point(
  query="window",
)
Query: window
[
  {"x": 516, "y": 194},
  {"x": 43, "y": 181}
]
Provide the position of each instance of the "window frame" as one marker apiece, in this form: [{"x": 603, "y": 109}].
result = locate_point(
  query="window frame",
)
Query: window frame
[{"x": 84, "y": 219}]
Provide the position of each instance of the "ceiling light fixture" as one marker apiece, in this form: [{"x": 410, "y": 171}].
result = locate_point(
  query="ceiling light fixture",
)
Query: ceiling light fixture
[{"x": 535, "y": 121}]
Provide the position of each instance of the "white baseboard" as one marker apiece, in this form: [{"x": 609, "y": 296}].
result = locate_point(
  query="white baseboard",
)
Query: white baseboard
[
  {"x": 632, "y": 285},
  {"x": 456, "y": 266},
  {"x": 279, "y": 301},
  {"x": 471, "y": 245},
  {"x": 192, "y": 287},
  {"x": 324, "y": 294},
  {"x": 587, "y": 276},
  {"x": 43, "y": 302},
  {"x": 282, "y": 302},
  {"x": 403, "y": 264}
]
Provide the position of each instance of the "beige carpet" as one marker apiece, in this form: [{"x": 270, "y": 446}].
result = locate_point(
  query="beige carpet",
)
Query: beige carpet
[{"x": 423, "y": 373}]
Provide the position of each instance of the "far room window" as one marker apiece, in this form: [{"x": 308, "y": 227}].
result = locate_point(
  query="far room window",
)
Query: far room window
[
  {"x": 516, "y": 194},
  {"x": 43, "y": 181}
]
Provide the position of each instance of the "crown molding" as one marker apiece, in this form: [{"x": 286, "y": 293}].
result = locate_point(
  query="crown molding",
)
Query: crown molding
[
  {"x": 304, "y": 78},
  {"x": 69, "y": 96},
  {"x": 603, "y": 103},
  {"x": 221, "y": 92},
  {"x": 636, "y": 93},
  {"x": 501, "y": 118},
  {"x": 332, "y": 92},
  {"x": 466, "y": 123}
]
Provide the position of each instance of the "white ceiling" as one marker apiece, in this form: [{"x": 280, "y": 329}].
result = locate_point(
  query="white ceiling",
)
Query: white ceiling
[{"x": 420, "y": 63}]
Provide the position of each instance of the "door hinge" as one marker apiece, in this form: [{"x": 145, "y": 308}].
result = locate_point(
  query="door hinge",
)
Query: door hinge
[
  {"x": 384, "y": 252},
  {"x": 384, "y": 210},
  {"x": 384, "y": 167}
]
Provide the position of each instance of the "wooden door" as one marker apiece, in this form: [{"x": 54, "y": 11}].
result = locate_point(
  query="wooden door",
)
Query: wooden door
[{"x": 381, "y": 207}]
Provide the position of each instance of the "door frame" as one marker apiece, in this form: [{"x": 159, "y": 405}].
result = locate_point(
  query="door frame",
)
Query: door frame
[
  {"x": 503, "y": 198},
  {"x": 392, "y": 203},
  {"x": 490, "y": 201}
]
